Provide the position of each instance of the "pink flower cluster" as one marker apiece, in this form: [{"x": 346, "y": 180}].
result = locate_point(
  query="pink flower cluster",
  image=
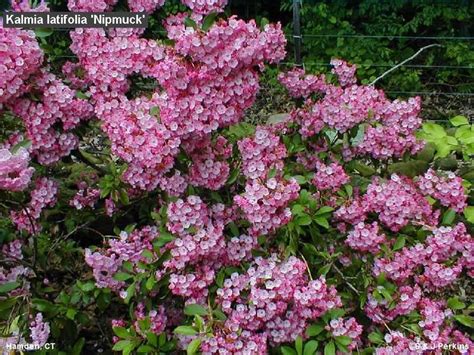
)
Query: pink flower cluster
[
  {"x": 301, "y": 85},
  {"x": 329, "y": 177},
  {"x": 232, "y": 341},
  {"x": 44, "y": 195},
  {"x": 85, "y": 197},
  {"x": 275, "y": 299},
  {"x": 174, "y": 185},
  {"x": 39, "y": 330},
  {"x": 20, "y": 57},
  {"x": 209, "y": 168},
  {"x": 157, "y": 318},
  {"x": 15, "y": 175},
  {"x": 444, "y": 245},
  {"x": 436, "y": 330},
  {"x": 397, "y": 343},
  {"x": 90, "y": 6},
  {"x": 129, "y": 247},
  {"x": 261, "y": 153},
  {"x": 396, "y": 135},
  {"x": 204, "y": 7},
  {"x": 198, "y": 98},
  {"x": 344, "y": 72},
  {"x": 391, "y": 125},
  {"x": 434, "y": 314},
  {"x": 186, "y": 215},
  {"x": 139, "y": 139},
  {"x": 25, "y": 6},
  {"x": 265, "y": 205},
  {"x": 145, "y": 5},
  {"x": 200, "y": 244},
  {"x": 396, "y": 202},
  {"x": 58, "y": 104},
  {"x": 13, "y": 250},
  {"x": 405, "y": 301},
  {"x": 349, "y": 327},
  {"x": 447, "y": 189},
  {"x": 366, "y": 237}
]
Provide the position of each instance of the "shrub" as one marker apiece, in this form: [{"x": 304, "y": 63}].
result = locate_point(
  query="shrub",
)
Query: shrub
[{"x": 160, "y": 220}]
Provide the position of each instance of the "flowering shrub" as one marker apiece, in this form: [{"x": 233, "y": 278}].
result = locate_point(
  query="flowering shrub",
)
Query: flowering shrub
[{"x": 166, "y": 223}]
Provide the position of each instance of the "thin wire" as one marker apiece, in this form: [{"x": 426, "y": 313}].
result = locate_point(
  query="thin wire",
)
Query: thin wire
[
  {"x": 388, "y": 37},
  {"x": 388, "y": 65},
  {"x": 461, "y": 94},
  {"x": 357, "y": 64}
]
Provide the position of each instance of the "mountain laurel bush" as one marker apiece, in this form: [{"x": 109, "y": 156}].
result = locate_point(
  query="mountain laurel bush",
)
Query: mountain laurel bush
[{"x": 164, "y": 222}]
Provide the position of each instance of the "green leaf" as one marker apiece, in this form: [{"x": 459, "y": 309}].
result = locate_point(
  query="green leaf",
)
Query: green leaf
[
  {"x": 9, "y": 286},
  {"x": 209, "y": 20},
  {"x": 364, "y": 169},
  {"x": 324, "y": 269},
  {"x": 410, "y": 168},
  {"x": 81, "y": 95},
  {"x": 376, "y": 338},
  {"x": 297, "y": 209},
  {"x": 466, "y": 320},
  {"x": 193, "y": 346},
  {"x": 77, "y": 348},
  {"x": 272, "y": 173},
  {"x": 148, "y": 254},
  {"x": 459, "y": 121},
  {"x": 7, "y": 303},
  {"x": 155, "y": 111},
  {"x": 434, "y": 130},
  {"x": 121, "y": 332},
  {"x": 152, "y": 338},
  {"x": 469, "y": 214},
  {"x": 185, "y": 330},
  {"x": 218, "y": 314},
  {"x": 310, "y": 347},
  {"x": 399, "y": 243},
  {"x": 163, "y": 239},
  {"x": 43, "y": 305},
  {"x": 448, "y": 217},
  {"x": 303, "y": 220},
  {"x": 130, "y": 293},
  {"x": 314, "y": 330},
  {"x": 122, "y": 276},
  {"x": 121, "y": 345},
  {"x": 323, "y": 222},
  {"x": 25, "y": 143},
  {"x": 455, "y": 303},
  {"x": 330, "y": 348},
  {"x": 43, "y": 32},
  {"x": 343, "y": 339},
  {"x": 286, "y": 350},
  {"x": 146, "y": 349},
  {"x": 443, "y": 148},
  {"x": 323, "y": 210},
  {"x": 71, "y": 313},
  {"x": 299, "y": 345},
  {"x": 189, "y": 22},
  {"x": 195, "y": 309},
  {"x": 88, "y": 286},
  {"x": 233, "y": 176},
  {"x": 300, "y": 179}
]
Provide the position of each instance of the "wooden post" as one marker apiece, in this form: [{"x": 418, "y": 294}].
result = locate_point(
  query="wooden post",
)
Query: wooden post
[{"x": 297, "y": 31}]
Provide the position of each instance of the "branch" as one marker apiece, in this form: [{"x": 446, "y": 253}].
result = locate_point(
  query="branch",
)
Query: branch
[
  {"x": 404, "y": 62},
  {"x": 345, "y": 280}
]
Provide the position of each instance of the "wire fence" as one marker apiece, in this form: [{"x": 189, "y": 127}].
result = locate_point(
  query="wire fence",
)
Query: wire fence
[{"x": 297, "y": 39}]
